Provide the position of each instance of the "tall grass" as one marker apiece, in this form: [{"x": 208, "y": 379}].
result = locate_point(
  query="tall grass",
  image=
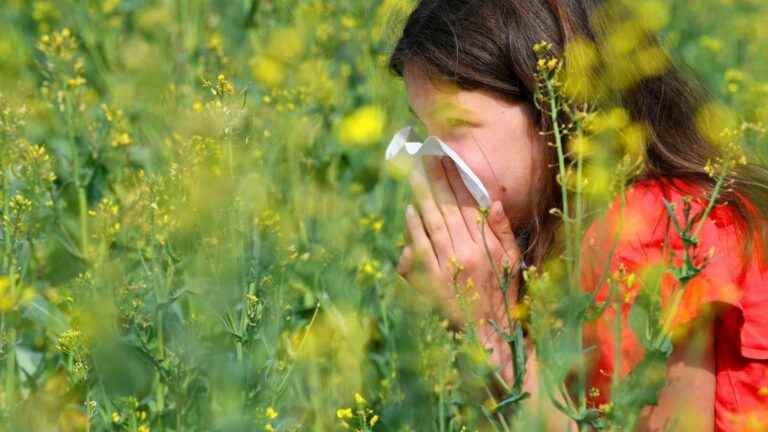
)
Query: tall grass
[{"x": 199, "y": 231}]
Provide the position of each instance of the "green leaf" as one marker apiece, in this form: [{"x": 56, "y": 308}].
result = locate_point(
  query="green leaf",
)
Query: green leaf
[
  {"x": 639, "y": 323},
  {"x": 46, "y": 315},
  {"x": 642, "y": 385}
]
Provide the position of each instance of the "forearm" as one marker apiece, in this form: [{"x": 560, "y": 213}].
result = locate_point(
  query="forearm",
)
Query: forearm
[{"x": 538, "y": 404}]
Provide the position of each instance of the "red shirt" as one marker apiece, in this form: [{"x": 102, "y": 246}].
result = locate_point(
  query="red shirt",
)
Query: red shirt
[{"x": 738, "y": 287}]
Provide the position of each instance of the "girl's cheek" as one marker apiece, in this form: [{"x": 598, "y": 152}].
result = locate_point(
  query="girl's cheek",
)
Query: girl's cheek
[{"x": 478, "y": 161}]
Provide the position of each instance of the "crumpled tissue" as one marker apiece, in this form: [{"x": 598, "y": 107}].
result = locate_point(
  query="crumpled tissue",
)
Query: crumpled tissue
[{"x": 433, "y": 146}]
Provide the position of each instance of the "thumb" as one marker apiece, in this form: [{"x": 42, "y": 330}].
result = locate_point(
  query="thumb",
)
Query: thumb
[
  {"x": 499, "y": 224},
  {"x": 405, "y": 263}
]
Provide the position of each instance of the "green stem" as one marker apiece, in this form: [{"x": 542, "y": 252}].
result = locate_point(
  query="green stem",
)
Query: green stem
[
  {"x": 711, "y": 203},
  {"x": 582, "y": 369},
  {"x": 10, "y": 368},
  {"x": 441, "y": 411},
  {"x": 570, "y": 253},
  {"x": 504, "y": 286},
  {"x": 616, "y": 338},
  {"x": 281, "y": 386},
  {"x": 561, "y": 166},
  {"x": 160, "y": 388},
  {"x": 678, "y": 294},
  {"x": 82, "y": 201},
  {"x": 161, "y": 296},
  {"x": 6, "y": 212},
  {"x": 10, "y": 355}
]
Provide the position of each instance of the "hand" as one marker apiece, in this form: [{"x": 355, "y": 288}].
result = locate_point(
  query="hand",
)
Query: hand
[{"x": 445, "y": 227}]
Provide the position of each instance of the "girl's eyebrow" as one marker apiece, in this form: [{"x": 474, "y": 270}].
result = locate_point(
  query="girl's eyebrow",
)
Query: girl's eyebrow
[{"x": 445, "y": 108}]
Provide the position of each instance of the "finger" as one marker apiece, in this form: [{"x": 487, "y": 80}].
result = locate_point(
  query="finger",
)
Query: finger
[
  {"x": 405, "y": 263},
  {"x": 464, "y": 199},
  {"x": 499, "y": 224},
  {"x": 422, "y": 246},
  {"x": 495, "y": 251},
  {"x": 432, "y": 218},
  {"x": 446, "y": 202}
]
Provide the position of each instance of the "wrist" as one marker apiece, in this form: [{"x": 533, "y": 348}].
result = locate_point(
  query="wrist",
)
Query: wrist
[{"x": 502, "y": 357}]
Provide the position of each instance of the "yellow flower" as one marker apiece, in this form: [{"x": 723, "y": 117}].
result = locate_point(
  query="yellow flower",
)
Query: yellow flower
[
  {"x": 490, "y": 404},
  {"x": 286, "y": 44},
  {"x": 5, "y": 282},
  {"x": 651, "y": 61},
  {"x": 580, "y": 57},
  {"x": 8, "y": 300},
  {"x": 711, "y": 44},
  {"x": 121, "y": 139},
  {"x": 743, "y": 160},
  {"x": 315, "y": 76},
  {"x": 580, "y": 145},
  {"x": 109, "y": 5},
  {"x": 376, "y": 225},
  {"x": 734, "y": 75},
  {"x": 364, "y": 126},
  {"x": 709, "y": 168},
  {"x": 605, "y": 408},
  {"x": 594, "y": 392},
  {"x": 348, "y": 22},
  {"x": 630, "y": 280},
  {"x": 215, "y": 42},
  {"x": 143, "y": 428},
  {"x": 343, "y": 413},
  {"x": 115, "y": 417},
  {"x": 267, "y": 71},
  {"x": 552, "y": 64},
  {"x": 613, "y": 119},
  {"x": 633, "y": 138},
  {"x": 374, "y": 420},
  {"x": 271, "y": 413},
  {"x": 541, "y": 47},
  {"x": 518, "y": 311},
  {"x": 225, "y": 86},
  {"x": 359, "y": 399},
  {"x": 652, "y": 14},
  {"x": 370, "y": 267},
  {"x": 21, "y": 204},
  {"x": 712, "y": 119},
  {"x": 76, "y": 81}
]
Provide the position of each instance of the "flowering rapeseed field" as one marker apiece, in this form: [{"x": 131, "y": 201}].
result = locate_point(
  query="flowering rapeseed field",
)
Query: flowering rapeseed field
[{"x": 199, "y": 231}]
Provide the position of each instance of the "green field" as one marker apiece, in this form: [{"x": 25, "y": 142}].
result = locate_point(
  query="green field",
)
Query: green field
[{"x": 199, "y": 230}]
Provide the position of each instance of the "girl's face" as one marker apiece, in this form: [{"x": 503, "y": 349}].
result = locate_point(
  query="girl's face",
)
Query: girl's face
[{"x": 496, "y": 138}]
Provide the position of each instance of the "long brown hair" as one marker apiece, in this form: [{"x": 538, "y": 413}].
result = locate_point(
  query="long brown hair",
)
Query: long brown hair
[{"x": 487, "y": 44}]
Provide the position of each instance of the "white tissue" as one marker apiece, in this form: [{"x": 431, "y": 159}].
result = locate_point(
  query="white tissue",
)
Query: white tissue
[{"x": 433, "y": 146}]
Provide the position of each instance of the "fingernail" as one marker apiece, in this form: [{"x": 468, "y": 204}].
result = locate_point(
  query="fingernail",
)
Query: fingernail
[
  {"x": 496, "y": 207},
  {"x": 409, "y": 211}
]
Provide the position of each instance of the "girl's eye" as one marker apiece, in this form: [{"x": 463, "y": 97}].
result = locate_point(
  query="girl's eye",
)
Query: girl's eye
[{"x": 456, "y": 122}]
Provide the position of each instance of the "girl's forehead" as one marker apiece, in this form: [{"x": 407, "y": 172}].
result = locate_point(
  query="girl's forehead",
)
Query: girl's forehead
[
  {"x": 438, "y": 97},
  {"x": 419, "y": 79}
]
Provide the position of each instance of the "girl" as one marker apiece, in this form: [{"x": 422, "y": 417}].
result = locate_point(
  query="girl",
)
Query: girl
[{"x": 469, "y": 71}]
